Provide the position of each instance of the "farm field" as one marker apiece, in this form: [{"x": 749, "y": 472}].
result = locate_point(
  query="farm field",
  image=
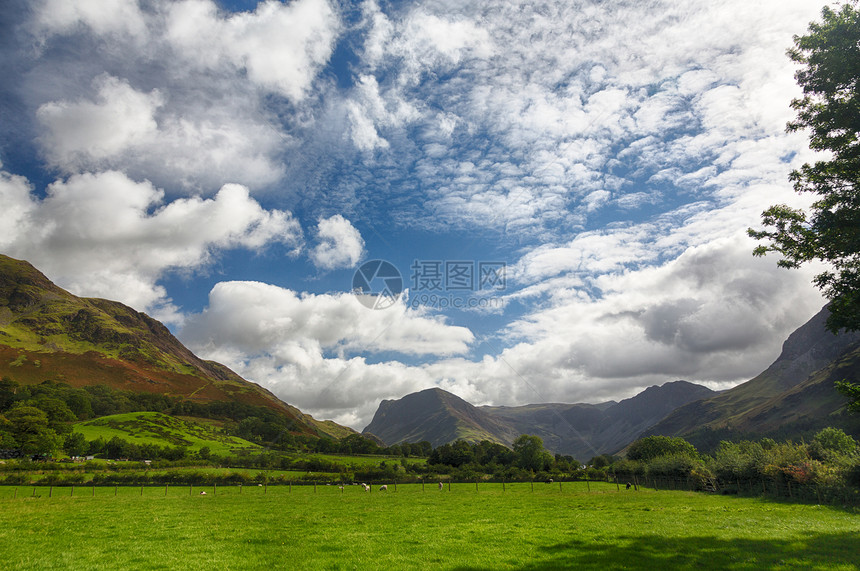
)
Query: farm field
[{"x": 329, "y": 528}]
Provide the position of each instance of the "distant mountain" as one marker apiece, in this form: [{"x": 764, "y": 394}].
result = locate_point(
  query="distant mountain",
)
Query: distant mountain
[
  {"x": 587, "y": 430},
  {"x": 581, "y": 430},
  {"x": 793, "y": 396},
  {"x": 48, "y": 333},
  {"x": 438, "y": 417}
]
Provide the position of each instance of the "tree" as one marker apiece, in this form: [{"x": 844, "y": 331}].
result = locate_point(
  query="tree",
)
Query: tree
[
  {"x": 830, "y": 110},
  {"x": 29, "y": 426},
  {"x": 650, "y": 447},
  {"x": 852, "y": 391},
  {"x": 75, "y": 444},
  {"x": 834, "y": 440},
  {"x": 530, "y": 453}
]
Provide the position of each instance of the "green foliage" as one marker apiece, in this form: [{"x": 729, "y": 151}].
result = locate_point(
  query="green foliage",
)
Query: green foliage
[
  {"x": 651, "y": 447},
  {"x": 852, "y": 391},
  {"x": 833, "y": 441},
  {"x": 530, "y": 453},
  {"x": 830, "y": 111}
]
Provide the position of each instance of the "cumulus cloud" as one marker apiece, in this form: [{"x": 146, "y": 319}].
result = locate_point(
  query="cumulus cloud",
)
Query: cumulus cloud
[
  {"x": 298, "y": 345},
  {"x": 82, "y": 131},
  {"x": 340, "y": 244},
  {"x": 105, "y": 235}
]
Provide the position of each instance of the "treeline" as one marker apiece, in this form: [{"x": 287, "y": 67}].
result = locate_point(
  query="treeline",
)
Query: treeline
[
  {"x": 36, "y": 419},
  {"x": 827, "y": 467}
]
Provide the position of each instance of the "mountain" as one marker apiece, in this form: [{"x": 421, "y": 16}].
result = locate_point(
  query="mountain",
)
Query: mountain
[
  {"x": 587, "y": 430},
  {"x": 792, "y": 397},
  {"x": 581, "y": 430},
  {"x": 438, "y": 417},
  {"x": 48, "y": 333}
]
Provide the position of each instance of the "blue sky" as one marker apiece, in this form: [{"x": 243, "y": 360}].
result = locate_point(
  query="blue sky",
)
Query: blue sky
[{"x": 228, "y": 166}]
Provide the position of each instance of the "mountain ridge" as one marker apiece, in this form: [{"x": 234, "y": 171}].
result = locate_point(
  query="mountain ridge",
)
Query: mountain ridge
[{"x": 442, "y": 417}]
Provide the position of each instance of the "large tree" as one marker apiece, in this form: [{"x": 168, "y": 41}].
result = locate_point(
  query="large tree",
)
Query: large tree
[{"x": 830, "y": 110}]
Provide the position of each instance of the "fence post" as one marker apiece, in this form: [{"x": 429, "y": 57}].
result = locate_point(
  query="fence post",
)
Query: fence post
[
  {"x": 587, "y": 485},
  {"x": 503, "y": 484},
  {"x": 533, "y": 485},
  {"x": 559, "y": 486},
  {"x": 116, "y": 486},
  {"x": 165, "y": 489},
  {"x": 395, "y": 485},
  {"x": 214, "y": 486},
  {"x": 141, "y": 489},
  {"x": 266, "y": 488},
  {"x": 449, "y": 485},
  {"x": 70, "y": 494},
  {"x": 50, "y": 491},
  {"x": 315, "y": 486},
  {"x": 93, "y": 484},
  {"x": 16, "y": 493},
  {"x": 190, "y": 489}
]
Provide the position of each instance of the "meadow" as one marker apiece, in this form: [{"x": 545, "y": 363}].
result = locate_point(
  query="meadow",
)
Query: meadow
[{"x": 545, "y": 526}]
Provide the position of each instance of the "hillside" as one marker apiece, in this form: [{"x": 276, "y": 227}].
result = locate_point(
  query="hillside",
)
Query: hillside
[
  {"x": 161, "y": 429},
  {"x": 581, "y": 430},
  {"x": 48, "y": 333},
  {"x": 438, "y": 417},
  {"x": 794, "y": 395}
]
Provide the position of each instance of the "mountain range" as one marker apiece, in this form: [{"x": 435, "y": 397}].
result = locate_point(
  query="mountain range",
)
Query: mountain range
[
  {"x": 46, "y": 333},
  {"x": 793, "y": 397}
]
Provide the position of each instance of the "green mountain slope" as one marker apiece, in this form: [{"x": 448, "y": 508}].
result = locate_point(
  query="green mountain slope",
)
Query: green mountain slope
[
  {"x": 48, "y": 333},
  {"x": 162, "y": 430}
]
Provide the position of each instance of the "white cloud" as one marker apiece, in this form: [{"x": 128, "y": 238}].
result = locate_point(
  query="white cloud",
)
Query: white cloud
[
  {"x": 104, "y": 17},
  {"x": 296, "y": 345},
  {"x": 340, "y": 244},
  {"x": 105, "y": 235},
  {"x": 193, "y": 97},
  {"x": 82, "y": 132},
  {"x": 281, "y": 46}
]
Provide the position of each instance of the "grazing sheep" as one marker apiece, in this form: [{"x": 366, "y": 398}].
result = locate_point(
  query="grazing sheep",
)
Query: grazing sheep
[
  {"x": 202, "y": 493},
  {"x": 366, "y": 487},
  {"x": 440, "y": 485},
  {"x": 549, "y": 481},
  {"x": 383, "y": 488}
]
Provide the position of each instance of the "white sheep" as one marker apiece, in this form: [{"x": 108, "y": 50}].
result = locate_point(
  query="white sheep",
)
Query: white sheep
[
  {"x": 383, "y": 488},
  {"x": 440, "y": 486}
]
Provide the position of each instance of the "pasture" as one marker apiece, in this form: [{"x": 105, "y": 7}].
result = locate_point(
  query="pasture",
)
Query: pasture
[{"x": 551, "y": 527}]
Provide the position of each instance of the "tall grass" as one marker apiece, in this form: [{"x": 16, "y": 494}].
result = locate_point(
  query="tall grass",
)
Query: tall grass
[{"x": 325, "y": 527}]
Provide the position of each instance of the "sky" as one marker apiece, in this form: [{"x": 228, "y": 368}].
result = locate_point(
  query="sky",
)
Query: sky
[{"x": 345, "y": 202}]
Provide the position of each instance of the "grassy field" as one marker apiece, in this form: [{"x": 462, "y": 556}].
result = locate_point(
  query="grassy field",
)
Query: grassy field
[{"x": 329, "y": 528}]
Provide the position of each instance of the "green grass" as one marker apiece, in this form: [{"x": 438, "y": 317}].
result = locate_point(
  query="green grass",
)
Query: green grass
[
  {"x": 161, "y": 429},
  {"x": 272, "y": 528}
]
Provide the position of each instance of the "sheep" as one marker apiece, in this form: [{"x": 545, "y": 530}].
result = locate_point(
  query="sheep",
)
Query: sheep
[
  {"x": 366, "y": 487},
  {"x": 440, "y": 486},
  {"x": 202, "y": 493},
  {"x": 383, "y": 488}
]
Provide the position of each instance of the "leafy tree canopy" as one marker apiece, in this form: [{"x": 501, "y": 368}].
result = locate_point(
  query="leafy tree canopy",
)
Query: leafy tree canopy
[
  {"x": 650, "y": 447},
  {"x": 830, "y": 110}
]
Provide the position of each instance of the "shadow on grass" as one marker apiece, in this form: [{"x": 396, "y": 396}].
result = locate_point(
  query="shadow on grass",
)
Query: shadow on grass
[{"x": 816, "y": 551}]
